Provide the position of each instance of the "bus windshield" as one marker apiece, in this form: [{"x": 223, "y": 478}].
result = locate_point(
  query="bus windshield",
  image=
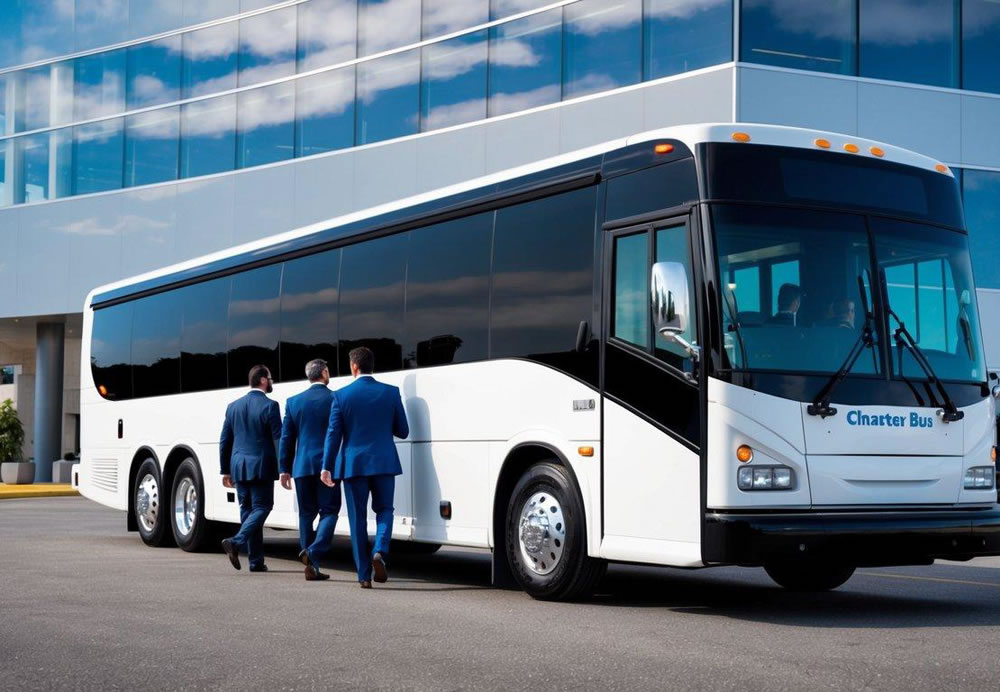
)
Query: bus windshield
[{"x": 795, "y": 283}]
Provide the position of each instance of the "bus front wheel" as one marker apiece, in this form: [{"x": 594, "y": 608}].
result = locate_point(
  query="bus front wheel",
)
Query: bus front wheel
[
  {"x": 150, "y": 505},
  {"x": 808, "y": 575},
  {"x": 547, "y": 536}
]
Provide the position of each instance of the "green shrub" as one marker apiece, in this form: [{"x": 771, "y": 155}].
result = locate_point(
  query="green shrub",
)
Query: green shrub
[{"x": 11, "y": 432}]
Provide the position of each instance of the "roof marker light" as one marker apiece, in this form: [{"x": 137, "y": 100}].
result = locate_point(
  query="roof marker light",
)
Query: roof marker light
[
  {"x": 853, "y": 148},
  {"x": 822, "y": 143},
  {"x": 663, "y": 148},
  {"x": 741, "y": 137},
  {"x": 876, "y": 151},
  {"x": 941, "y": 168}
]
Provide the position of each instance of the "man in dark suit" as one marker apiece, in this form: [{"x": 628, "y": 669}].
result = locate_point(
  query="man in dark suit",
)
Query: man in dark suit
[
  {"x": 249, "y": 461},
  {"x": 789, "y": 301},
  {"x": 302, "y": 437},
  {"x": 364, "y": 417}
]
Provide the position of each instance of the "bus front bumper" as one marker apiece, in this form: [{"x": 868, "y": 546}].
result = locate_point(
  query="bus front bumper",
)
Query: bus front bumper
[{"x": 864, "y": 539}]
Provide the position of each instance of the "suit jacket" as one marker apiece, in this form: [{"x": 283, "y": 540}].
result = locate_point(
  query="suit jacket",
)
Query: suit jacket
[
  {"x": 304, "y": 431},
  {"x": 364, "y": 416},
  {"x": 246, "y": 447}
]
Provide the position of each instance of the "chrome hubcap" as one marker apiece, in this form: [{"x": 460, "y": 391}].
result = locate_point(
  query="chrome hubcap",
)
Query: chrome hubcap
[
  {"x": 185, "y": 506},
  {"x": 147, "y": 502},
  {"x": 542, "y": 533}
]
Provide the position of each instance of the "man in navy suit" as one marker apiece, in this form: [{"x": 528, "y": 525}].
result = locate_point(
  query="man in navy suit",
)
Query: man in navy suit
[
  {"x": 249, "y": 460},
  {"x": 364, "y": 417},
  {"x": 302, "y": 437}
]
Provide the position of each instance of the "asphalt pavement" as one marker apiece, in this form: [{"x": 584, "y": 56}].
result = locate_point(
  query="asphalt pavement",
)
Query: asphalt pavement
[{"x": 85, "y": 605}]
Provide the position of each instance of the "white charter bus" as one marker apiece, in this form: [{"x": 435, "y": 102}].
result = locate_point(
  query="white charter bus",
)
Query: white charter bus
[{"x": 698, "y": 346}]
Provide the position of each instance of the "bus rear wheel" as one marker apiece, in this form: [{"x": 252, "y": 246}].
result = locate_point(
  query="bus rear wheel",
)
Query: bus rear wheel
[
  {"x": 808, "y": 575},
  {"x": 192, "y": 531},
  {"x": 546, "y": 536},
  {"x": 149, "y": 503}
]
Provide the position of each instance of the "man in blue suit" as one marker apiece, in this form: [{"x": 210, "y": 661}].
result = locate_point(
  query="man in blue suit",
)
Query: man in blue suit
[
  {"x": 302, "y": 437},
  {"x": 364, "y": 417},
  {"x": 249, "y": 460}
]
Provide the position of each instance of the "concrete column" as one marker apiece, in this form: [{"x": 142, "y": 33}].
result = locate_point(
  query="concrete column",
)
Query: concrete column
[{"x": 48, "y": 397}]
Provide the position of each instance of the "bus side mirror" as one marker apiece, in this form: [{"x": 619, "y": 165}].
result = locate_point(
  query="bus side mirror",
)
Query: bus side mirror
[{"x": 671, "y": 303}]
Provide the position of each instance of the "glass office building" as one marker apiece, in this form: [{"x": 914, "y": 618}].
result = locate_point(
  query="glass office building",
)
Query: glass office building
[{"x": 139, "y": 133}]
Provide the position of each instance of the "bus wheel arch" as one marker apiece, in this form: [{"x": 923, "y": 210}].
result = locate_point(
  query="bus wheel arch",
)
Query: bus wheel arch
[{"x": 528, "y": 467}]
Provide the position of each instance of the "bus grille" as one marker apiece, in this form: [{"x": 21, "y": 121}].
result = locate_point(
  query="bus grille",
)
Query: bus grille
[{"x": 104, "y": 474}]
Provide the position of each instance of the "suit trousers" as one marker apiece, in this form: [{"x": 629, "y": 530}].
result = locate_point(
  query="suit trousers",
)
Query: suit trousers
[
  {"x": 315, "y": 498},
  {"x": 256, "y": 500},
  {"x": 382, "y": 489}
]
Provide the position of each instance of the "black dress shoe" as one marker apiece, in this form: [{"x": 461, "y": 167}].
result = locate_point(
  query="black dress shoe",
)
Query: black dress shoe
[
  {"x": 304, "y": 556},
  {"x": 378, "y": 566},
  {"x": 365, "y": 584},
  {"x": 313, "y": 574},
  {"x": 262, "y": 568},
  {"x": 230, "y": 550}
]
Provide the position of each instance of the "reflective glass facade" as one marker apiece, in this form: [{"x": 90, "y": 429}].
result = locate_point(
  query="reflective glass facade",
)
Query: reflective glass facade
[
  {"x": 242, "y": 83},
  {"x": 946, "y": 43},
  {"x": 981, "y": 194}
]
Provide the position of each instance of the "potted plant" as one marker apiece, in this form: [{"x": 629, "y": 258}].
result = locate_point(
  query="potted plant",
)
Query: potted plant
[{"x": 12, "y": 469}]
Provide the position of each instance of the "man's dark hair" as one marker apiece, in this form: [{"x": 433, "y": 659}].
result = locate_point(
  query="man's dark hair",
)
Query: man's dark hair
[
  {"x": 363, "y": 357},
  {"x": 788, "y": 294},
  {"x": 258, "y": 373},
  {"x": 315, "y": 368}
]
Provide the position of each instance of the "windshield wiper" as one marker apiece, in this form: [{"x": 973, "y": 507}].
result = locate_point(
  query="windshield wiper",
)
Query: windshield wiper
[
  {"x": 821, "y": 404},
  {"x": 904, "y": 339}
]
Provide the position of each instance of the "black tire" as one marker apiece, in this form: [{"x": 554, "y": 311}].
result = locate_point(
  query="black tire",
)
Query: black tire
[
  {"x": 191, "y": 530},
  {"x": 413, "y": 548},
  {"x": 571, "y": 573},
  {"x": 150, "y": 503},
  {"x": 808, "y": 575}
]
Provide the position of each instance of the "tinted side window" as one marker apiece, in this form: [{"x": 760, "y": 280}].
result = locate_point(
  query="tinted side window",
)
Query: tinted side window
[
  {"x": 659, "y": 187},
  {"x": 447, "y": 292},
  {"x": 371, "y": 300},
  {"x": 156, "y": 345},
  {"x": 309, "y": 288},
  {"x": 110, "y": 351},
  {"x": 543, "y": 270},
  {"x": 203, "y": 335},
  {"x": 254, "y": 323}
]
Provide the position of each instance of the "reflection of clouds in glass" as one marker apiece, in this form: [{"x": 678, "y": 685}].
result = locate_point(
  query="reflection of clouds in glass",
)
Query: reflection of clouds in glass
[
  {"x": 591, "y": 19},
  {"x": 265, "y": 336},
  {"x": 513, "y": 103},
  {"x": 452, "y": 58},
  {"x": 906, "y": 22},
  {"x": 386, "y": 73},
  {"x": 590, "y": 84},
  {"x": 826, "y": 20},
  {"x": 307, "y": 301},
  {"x": 455, "y": 113},
  {"x": 681, "y": 9},
  {"x": 327, "y": 32},
  {"x": 447, "y": 16},
  {"x": 388, "y": 24}
]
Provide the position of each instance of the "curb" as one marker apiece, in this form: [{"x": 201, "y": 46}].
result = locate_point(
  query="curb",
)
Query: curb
[{"x": 17, "y": 492}]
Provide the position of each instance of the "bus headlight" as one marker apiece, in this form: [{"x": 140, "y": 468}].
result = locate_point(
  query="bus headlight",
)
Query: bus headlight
[
  {"x": 979, "y": 478},
  {"x": 765, "y": 478}
]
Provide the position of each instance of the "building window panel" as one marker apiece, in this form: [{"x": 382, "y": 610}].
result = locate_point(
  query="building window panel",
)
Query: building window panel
[
  {"x": 267, "y": 46},
  {"x": 388, "y": 97},
  {"x": 44, "y": 160},
  {"x": 499, "y": 9},
  {"x": 324, "y": 105},
  {"x": 10, "y": 46},
  {"x": 99, "y": 85},
  {"x": 208, "y": 136},
  {"x": 981, "y": 45},
  {"x": 602, "y": 46},
  {"x": 817, "y": 35},
  {"x": 6, "y": 196},
  {"x": 266, "y": 125},
  {"x": 387, "y": 24},
  {"x": 328, "y": 33},
  {"x": 442, "y": 17},
  {"x": 453, "y": 89},
  {"x": 98, "y": 156},
  {"x": 46, "y": 29},
  {"x": 681, "y": 36},
  {"x": 149, "y": 17},
  {"x": 981, "y": 194},
  {"x": 152, "y": 147},
  {"x": 34, "y": 90},
  {"x": 525, "y": 63},
  {"x": 198, "y": 11},
  {"x": 210, "y": 60},
  {"x": 100, "y": 23},
  {"x": 154, "y": 73},
  {"x": 910, "y": 41}
]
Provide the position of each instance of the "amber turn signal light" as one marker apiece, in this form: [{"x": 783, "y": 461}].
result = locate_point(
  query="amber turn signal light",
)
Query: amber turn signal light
[
  {"x": 586, "y": 451},
  {"x": 741, "y": 137},
  {"x": 822, "y": 143},
  {"x": 744, "y": 454},
  {"x": 853, "y": 148},
  {"x": 663, "y": 148}
]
